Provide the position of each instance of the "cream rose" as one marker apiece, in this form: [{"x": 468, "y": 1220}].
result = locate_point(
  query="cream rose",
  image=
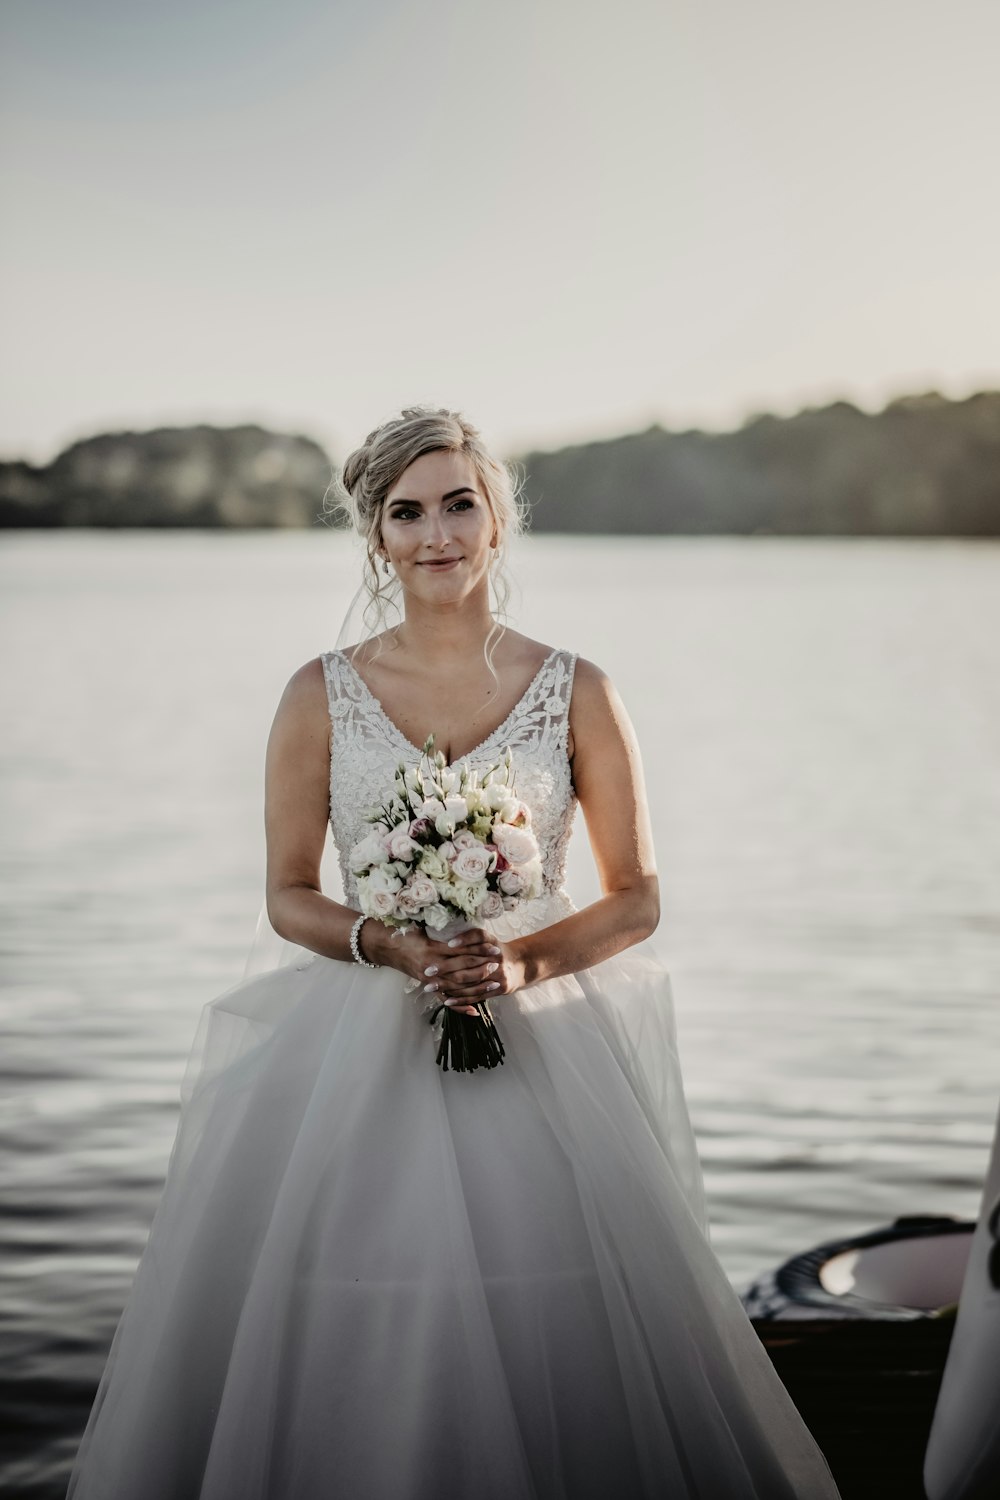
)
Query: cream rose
[
  {"x": 469, "y": 898},
  {"x": 432, "y": 864},
  {"x": 464, "y": 839}
]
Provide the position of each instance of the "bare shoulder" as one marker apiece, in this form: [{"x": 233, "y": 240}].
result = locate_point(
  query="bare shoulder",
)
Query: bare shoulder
[
  {"x": 593, "y": 690},
  {"x": 304, "y": 697},
  {"x": 308, "y": 681}
]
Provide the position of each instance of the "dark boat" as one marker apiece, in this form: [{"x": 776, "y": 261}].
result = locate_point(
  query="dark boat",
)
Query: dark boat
[{"x": 859, "y": 1330}]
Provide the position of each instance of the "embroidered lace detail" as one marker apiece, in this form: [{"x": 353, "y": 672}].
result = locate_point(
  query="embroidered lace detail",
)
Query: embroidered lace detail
[{"x": 366, "y": 747}]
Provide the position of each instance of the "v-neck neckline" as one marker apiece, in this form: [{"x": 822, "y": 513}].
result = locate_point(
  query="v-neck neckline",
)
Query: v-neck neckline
[{"x": 476, "y": 748}]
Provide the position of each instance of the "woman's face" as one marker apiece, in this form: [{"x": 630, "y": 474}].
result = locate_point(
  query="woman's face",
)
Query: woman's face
[{"x": 437, "y": 528}]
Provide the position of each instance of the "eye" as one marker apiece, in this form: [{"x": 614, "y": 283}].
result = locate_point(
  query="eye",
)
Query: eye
[
  {"x": 404, "y": 513},
  {"x": 462, "y": 505}
]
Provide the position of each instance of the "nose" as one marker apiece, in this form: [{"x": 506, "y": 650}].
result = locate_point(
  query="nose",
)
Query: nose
[{"x": 437, "y": 530}]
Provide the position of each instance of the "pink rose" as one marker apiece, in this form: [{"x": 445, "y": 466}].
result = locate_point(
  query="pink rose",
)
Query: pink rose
[
  {"x": 401, "y": 846},
  {"x": 422, "y": 890},
  {"x": 490, "y": 906},
  {"x": 465, "y": 839},
  {"x": 510, "y": 883},
  {"x": 472, "y": 863},
  {"x": 420, "y": 828},
  {"x": 415, "y": 895},
  {"x": 517, "y": 845}
]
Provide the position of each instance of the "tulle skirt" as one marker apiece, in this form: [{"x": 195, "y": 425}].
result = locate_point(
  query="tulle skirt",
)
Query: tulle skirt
[{"x": 371, "y": 1279}]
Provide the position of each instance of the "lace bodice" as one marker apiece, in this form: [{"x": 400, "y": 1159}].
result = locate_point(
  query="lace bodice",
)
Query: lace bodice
[{"x": 366, "y": 747}]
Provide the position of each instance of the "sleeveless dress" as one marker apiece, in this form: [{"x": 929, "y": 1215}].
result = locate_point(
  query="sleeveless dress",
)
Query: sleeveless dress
[{"x": 371, "y": 1279}]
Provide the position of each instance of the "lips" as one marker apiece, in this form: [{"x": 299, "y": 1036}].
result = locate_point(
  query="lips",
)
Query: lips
[{"x": 440, "y": 564}]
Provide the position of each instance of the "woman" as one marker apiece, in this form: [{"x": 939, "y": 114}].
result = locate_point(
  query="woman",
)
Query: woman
[{"x": 372, "y": 1278}]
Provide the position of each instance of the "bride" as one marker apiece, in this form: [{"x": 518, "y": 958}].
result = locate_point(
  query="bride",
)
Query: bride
[{"x": 372, "y": 1278}]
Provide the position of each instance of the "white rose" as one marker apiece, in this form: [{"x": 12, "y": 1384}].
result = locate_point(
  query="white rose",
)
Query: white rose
[
  {"x": 511, "y": 882},
  {"x": 430, "y": 808},
  {"x": 435, "y": 917},
  {"x": 383, "y": 904},
  {"x": 370, "y": 851},
  {"x": 401, "y": 846},
  {"x": 516, "y": 812},
  {"x": 469, "y": 898},
  {"x": 517, "y": 845},
  {"x": 464, "y": 839},
  {"x": 382, "y": 887},
  {"x": 472, "y": 862},
  {"x": 444, "y": 825},
  {"x": 491, "y": 906}
]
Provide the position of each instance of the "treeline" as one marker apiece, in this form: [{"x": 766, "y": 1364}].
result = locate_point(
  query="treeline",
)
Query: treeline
[
  {"x": 172, "y": 476},
  {"x": 924, "y": 466}
]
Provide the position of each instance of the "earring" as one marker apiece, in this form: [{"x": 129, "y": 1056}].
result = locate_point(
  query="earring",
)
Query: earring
[{"x": 385, "y": 567}]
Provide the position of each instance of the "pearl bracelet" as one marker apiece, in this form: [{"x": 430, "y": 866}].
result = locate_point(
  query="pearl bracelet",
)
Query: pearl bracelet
[{"x": 359, "y": 957}]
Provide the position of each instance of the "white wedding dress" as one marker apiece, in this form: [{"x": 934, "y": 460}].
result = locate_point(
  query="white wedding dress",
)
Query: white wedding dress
[{"x": 370, "y": 1279}]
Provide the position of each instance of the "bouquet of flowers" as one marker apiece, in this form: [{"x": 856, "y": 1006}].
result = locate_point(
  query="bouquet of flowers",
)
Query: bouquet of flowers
[{"x": 449, "y": 849}]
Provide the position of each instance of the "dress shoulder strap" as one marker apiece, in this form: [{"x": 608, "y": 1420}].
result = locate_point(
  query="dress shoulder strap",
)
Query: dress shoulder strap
[{"x": 558, "y": 695}]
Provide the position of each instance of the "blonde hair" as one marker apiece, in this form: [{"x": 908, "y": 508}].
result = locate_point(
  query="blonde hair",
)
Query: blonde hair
[{"x": 358, "y": 494}]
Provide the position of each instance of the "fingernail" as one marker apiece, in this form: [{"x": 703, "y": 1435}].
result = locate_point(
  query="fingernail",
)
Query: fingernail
[
  {"x": 493, "y": 950},
  {"x": 432, "y": 970},
  {"x": 492, "y": 968},
  {"x": 429, "y": 988},
  {"x": 454, "y": 942},
  {"x": 493, "y": 986}
]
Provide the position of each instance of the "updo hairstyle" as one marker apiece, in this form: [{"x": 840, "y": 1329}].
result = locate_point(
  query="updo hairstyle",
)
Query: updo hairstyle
[{"x": 359, "y": 493}]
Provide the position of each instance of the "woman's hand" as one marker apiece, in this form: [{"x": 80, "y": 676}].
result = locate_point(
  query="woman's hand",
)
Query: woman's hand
[{"x": 462, "y": 972}]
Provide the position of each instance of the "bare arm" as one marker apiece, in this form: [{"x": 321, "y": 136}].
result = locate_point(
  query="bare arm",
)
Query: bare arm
[
  {"x": 296, "y": 806},
  {"x": 607, "y": 774}
]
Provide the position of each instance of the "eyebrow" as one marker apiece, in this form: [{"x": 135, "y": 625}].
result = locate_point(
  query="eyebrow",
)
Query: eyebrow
[{"x": 465, "y": 489}]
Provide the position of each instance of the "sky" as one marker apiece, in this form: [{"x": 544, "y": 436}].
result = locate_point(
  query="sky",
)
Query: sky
[{"x": 569, "y": 219}]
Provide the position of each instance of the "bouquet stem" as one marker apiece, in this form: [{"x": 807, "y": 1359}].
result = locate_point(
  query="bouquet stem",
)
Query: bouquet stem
[{"x": 467, "y": 1042}]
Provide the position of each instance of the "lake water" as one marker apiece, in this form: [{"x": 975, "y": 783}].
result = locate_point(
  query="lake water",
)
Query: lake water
[{"x": 820, "y": 722}]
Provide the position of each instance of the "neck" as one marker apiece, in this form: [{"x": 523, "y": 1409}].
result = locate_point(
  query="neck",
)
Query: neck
[{"x": 446, "y": 636}]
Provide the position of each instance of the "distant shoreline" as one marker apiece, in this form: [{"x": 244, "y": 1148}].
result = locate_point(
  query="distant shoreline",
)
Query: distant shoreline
[{"x": 924, "y": 466}]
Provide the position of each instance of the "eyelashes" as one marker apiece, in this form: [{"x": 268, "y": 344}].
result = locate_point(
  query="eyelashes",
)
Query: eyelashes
[{"x": 407, "y": 513}]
